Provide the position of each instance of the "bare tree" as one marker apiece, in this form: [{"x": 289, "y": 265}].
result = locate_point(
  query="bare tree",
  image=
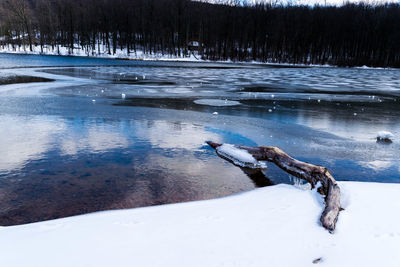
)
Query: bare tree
[
  {"x": 21, "y": 14},
  {"x": 349, "y": 35}
]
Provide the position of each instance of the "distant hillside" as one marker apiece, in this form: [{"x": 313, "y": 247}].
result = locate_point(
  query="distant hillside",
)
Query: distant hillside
[{"x": 349, "y": 35}]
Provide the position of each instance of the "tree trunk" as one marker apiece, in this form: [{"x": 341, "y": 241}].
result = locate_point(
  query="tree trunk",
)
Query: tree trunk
[{"x": 309, "y": 172}]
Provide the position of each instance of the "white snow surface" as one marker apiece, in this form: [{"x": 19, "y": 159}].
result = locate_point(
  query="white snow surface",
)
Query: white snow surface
[
  {"x": 384, "y": 135},
  {"x": 271, "y": 226},
  {"x": 238, "y": 156}
]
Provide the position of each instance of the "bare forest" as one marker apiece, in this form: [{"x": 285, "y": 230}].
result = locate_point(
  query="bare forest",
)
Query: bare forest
[{"x": 349, "y": 35}]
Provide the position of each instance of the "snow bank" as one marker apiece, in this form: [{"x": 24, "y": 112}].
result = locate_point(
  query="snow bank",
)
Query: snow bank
[
  {"x": 271, "y": 226},
  {"x": 239, "y": 156}
]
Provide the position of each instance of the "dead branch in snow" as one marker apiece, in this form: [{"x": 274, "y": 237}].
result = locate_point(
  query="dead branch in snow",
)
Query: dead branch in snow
[{"x": 306, "y": 171}]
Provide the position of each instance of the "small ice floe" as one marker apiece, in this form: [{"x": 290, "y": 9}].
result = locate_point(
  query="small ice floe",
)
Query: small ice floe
[
  {"x": 384, "y": 136},
  {"x": 215, "y": 113},
  {"x": 239, "y": 157},
  {"x": 123, "y": 96},
  {"x": 217, "y": 102}
]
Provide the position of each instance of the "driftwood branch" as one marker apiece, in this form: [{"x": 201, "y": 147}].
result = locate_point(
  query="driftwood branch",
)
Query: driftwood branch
[{"x": 309, "y": 172}]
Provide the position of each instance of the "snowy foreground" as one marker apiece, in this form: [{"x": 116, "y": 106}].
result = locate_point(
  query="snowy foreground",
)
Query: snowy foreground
[{"x": 271, "y": 226}]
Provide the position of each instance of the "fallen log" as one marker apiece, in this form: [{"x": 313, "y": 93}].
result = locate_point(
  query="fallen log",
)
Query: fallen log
[{"x": 309, "y": 172}]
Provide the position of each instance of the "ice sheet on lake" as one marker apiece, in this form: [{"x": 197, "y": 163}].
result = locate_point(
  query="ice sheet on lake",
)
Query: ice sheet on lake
[{"x": 217, "y": 102}]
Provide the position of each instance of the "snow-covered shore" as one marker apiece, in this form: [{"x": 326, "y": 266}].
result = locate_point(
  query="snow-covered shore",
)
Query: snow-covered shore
[
  {"x": 98, "y": 53},
  {"x": 139, "y": 55},
  {"x": 122, "y": 54},
  {"x": 271, "y": 226}
]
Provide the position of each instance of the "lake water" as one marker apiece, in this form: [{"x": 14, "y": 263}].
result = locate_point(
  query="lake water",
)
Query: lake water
[{"x": 79, "y": 135}]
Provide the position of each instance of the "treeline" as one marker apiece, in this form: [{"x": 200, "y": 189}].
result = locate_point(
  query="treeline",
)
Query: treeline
[{"x": 349, "y": 35}]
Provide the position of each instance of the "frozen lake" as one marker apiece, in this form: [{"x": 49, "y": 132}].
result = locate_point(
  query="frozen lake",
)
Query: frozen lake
[{"x": 79, "y": 135}]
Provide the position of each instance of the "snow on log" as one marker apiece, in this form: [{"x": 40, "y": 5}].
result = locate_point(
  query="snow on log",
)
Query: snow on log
[
  {"x": 239, "y": 157},
  {"x": 384, "y": 136},
  {"x": 309, "y": 172}
]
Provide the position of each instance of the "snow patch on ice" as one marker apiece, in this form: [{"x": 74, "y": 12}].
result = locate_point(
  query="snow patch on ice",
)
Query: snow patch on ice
[{"x": 217, "y": 102}]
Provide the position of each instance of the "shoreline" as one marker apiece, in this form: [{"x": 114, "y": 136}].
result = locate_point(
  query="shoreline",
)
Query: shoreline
[
  {"x": 280, "y": 219},
  {"x": 191, "y": 59},
  {"x": 140, "y": 56}
]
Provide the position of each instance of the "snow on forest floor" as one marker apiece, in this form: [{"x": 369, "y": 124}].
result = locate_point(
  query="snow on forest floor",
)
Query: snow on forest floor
[
  {"x": 78, "y": 51},
  {"x": 270, "y": 226},
  {"x": 139, "y": 55},
  {"x": 122, "y": 54}
]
